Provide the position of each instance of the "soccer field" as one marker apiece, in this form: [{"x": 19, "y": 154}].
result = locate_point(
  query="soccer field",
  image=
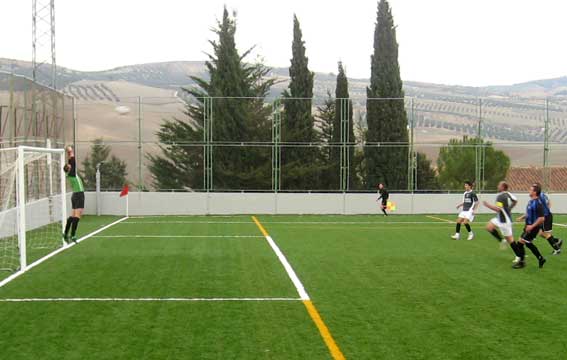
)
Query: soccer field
[{"x": 215, "y": 288}]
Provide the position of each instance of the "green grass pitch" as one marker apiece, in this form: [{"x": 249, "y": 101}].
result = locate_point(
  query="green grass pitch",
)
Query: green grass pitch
[{"x": 387, "y": 288}]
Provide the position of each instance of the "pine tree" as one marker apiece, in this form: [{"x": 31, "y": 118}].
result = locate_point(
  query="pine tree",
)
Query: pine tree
[
  {"x": 237, "y": 90},
  {"x": 344, "y": 108},
  {"x": 426, "y": 177},
  {"x": 113, "y": 170},
  {"x": 387, "y": 119},
  {"x": 299, "y": 168}
]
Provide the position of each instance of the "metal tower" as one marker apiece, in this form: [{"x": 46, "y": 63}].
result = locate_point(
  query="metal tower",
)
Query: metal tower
[{"x": 43, "y": 42}]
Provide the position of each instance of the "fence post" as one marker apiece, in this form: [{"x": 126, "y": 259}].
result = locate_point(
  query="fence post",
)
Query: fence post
[
  {"x": 546, "y": 146},
  {"x": 140, "y": 150},
  {"x": 276, "y": 148}
]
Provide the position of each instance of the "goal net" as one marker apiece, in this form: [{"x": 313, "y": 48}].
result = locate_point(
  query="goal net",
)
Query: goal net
[{"x": 32, "y": 205}]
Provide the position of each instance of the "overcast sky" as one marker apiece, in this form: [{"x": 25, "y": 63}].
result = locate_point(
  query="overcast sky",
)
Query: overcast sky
[{"x": 481, "y": 42}]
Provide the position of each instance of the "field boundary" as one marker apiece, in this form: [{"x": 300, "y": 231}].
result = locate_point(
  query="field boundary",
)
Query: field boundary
[
  {"x": 58, "y": 251},
  {"x": 176, "y": 299},
  {"x": 179, "y": 236},
  {"x": 334, "y": 349}
]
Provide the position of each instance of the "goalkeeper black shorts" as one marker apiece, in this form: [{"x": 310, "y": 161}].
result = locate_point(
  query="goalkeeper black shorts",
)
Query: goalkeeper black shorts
[{"x": 78, "y": 200}]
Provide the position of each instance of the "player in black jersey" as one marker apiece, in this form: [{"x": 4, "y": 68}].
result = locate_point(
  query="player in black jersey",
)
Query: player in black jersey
[
  {"x": 384, "y": 196},
  {"x": 501, "y": 226},
  {"x": 466, "y": 216}
]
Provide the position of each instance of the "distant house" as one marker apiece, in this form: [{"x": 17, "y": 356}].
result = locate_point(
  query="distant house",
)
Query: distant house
[{"x": 520, "y": 178}]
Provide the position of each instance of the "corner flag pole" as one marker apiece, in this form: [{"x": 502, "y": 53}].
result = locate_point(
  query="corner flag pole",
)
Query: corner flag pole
[{"x": 124, "y": 192}]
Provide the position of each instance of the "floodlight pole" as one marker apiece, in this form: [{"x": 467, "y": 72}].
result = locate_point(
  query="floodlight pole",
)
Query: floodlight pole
[{"x": 97, "y": 177}]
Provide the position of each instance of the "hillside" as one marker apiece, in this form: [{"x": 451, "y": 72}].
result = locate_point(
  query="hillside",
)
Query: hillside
[{"x": 513, "y": 113}]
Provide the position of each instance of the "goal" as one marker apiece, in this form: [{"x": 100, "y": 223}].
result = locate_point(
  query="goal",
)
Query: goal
[{"x": 32, "y": 205}]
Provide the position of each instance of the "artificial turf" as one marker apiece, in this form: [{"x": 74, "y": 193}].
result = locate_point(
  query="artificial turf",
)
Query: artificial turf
[{"x": 387, "y": 288}]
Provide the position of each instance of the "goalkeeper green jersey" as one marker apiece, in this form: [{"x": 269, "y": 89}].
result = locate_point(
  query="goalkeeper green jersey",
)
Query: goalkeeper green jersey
[{"x": 74, "y": 178}]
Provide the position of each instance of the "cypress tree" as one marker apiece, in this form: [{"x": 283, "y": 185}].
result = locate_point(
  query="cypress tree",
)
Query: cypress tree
[
  {"x": 299, "y": 166},
  {"x": 326, "y": 115},
  {"x": 237, "y": 89},
  {"x": 342, "y": 97},
  {"x": 387, "y": 119}
]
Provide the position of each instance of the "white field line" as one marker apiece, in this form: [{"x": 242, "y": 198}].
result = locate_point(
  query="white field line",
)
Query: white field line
[
  {"x": 180, "y": 236},
  {"x": 297, "y": 222},
  {"x": 52, "y": 254},
  {"x": 560, "y": 225},
  {"x": 178, "y": 299},
  {"x": 290, "y": 272}
]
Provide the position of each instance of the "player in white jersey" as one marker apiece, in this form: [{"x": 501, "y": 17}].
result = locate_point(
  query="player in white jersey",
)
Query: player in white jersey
[{"x": 468, "y": 208}]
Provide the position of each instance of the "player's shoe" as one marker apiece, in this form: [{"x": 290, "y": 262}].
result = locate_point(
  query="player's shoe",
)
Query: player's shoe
[
  {"x": 471, "y": 236},
  {"x": 516, "y": 260},
  {"x": 74, "y": 239},
  {"x": 519, "y": 265},
  {"x": 456, "y": 237},
  {"x": 542, "y": 262},
  {"x": 559, "y": 244},
  {"x": 66, "y": 238},
  {"x": 503, "y": 244}
]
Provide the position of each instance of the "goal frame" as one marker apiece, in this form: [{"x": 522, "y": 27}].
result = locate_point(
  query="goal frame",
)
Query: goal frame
[{"x": 21, "y": 195}]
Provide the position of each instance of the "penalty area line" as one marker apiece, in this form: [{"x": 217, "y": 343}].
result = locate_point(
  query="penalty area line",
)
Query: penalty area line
[
  {"x": 324, "y": 331},
  {"x": 176, "y": 299}
]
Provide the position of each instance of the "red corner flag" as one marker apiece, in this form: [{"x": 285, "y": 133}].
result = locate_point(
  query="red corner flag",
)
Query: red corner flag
[{"x": 124, "y": 191}]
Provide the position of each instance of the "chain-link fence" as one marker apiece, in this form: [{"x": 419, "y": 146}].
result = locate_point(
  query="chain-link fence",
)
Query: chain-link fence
[
  {"x": 416, "y": 144},
  {"x": 33, "y": 114}
]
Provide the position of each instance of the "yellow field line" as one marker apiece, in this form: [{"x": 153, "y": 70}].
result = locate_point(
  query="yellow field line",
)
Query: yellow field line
[
  {"x": 438, "y": 218},
  {"x": 311, "y": 309},
  {"x": 336, "y": 353}
]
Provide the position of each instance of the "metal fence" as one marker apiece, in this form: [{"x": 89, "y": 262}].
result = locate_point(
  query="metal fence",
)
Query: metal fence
[
  {"x": 532, "y": 133},
  {"x": 33, "y": 114}
]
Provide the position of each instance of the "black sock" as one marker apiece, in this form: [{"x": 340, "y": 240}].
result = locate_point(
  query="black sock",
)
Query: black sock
[
  {"x": 514, "y": 246},
  {"x": 74, "y": 226},
  {"x": 468, "y": 227},
  {"x": 458, "y": 229},
  {"x": 496, "y": 234},
  {"x": 534, "y": 250},
  {"x": 521, "y": 250},
  {"x": 68, "y": 225},
  {"x": 384, "y": 211},
  {"x": 552, "y": 241}
]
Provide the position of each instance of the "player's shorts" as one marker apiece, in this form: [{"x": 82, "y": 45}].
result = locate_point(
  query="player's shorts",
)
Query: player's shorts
[
  {"x": 78, "y": 200},
  {"x": 532, "y": 235},
  {"x": 548, "y": 223},
  {"x": 469, "y": 215},
  {"x": 504, "y": 227},
  {"x": 384, "y": 202}
]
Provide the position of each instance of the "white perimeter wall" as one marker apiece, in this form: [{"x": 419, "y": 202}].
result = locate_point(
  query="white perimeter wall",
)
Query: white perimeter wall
[{"x": 156, "y": 203}]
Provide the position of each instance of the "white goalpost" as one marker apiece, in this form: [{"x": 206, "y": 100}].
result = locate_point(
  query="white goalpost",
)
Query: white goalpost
[{"x": 33, "y": 206}]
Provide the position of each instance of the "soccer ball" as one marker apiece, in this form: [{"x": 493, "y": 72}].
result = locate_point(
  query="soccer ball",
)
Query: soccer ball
[{"x": 122, "y": 110}]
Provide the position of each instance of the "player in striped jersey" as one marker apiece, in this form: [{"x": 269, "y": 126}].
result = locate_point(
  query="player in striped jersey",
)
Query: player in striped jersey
[
  {"x": 547, "y": 229},
  {"x": 501, "y": 226},
  {"x": 466, "y": 216},
  {"x": 77, "y": 199}
]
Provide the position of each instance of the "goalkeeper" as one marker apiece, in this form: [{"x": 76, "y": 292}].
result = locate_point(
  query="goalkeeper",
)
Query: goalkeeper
[{"x": 77, "y": 199}]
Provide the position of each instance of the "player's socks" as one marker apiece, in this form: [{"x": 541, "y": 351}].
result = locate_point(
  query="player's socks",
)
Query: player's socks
[
  {"x": 496, "y": 234},
  {"x": 458, "y": 228},
  {"x": 68, "y": 225},
  {"x": 521, "y": 251},
  {"x": 468, "y": 227},
  {"x": 384, "y": 211},
  {"x": 74, "y": 226},
  {"x": 535, "y": 251},
  {"x": 553, "y": 242}
]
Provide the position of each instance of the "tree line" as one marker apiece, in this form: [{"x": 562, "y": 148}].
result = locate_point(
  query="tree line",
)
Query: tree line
[{"x": 310, "y": 143}]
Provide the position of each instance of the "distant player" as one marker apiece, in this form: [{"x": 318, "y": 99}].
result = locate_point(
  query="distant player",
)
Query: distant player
[
  {"x": 466, "y": 216},
  {"x": 77, "y": 199},
  {"x": 547, "y": 229},
  {"x": 384, "y": 196},
  {"x": 534, "y": 217},
  {"x": 501, "y": 226}
]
